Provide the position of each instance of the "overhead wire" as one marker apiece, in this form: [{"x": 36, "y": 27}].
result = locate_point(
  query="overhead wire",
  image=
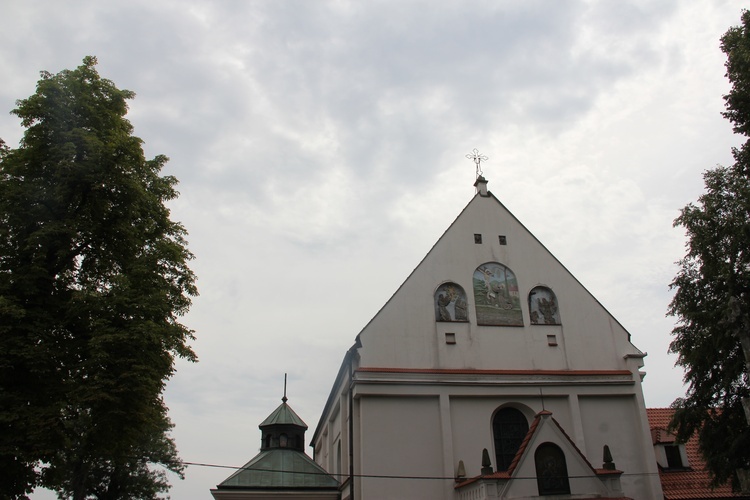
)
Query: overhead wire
[{"x": 386, "y": 476}]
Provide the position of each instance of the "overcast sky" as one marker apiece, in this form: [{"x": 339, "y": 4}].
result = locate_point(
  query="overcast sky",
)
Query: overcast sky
[{"x": 320, "y": 148}]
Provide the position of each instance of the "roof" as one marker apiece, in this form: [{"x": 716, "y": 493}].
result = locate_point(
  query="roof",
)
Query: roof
[
  {"x": 283, "y": 415},
  {"x": 691, "y": 483},
  {"x": 280, "y": 468}
]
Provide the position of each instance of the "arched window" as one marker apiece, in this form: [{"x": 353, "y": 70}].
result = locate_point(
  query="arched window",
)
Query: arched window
[
  {"x": 509, "y": 427},
  {"x": 551, "y": 470},
  {"x": 543, "y": 308},
  {"x": 496, "y": 296},
  {"x": 450, "y": 303}
]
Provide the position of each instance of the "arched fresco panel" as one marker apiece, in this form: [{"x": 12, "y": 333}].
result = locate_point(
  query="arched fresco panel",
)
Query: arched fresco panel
[
  {"x": 496, "y": 296},
  {"x": 450, "y": 303},
  {"x": 543, "y": 309}
]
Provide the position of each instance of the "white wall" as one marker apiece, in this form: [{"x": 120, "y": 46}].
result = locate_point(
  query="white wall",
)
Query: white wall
[{"x": 402, "y": 437}]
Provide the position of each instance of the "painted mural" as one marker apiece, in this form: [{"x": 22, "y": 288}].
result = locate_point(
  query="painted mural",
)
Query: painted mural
[
  {"x": 496, "y": 296},
  {"x": 450, "y": 303},
  {"x": 543, "y": 307}
]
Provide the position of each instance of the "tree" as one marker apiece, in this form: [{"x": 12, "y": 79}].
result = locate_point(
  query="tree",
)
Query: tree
[
  {"x": 93, "y": 280},
  {"x": 712, "y": 298}
]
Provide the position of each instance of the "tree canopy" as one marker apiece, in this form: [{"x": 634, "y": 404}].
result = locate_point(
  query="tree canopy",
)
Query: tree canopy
[
  {"x": 93, "y": 281},
  {"x": 712, "y": 291}
]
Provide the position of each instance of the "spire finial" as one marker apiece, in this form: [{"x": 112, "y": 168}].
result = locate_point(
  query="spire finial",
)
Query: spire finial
[
  {"x": 477, "y": 159},
  {"x": 486, "y": 463},
  {"x": 608, "y": 464},
  {"x": 284, "y": 399}
]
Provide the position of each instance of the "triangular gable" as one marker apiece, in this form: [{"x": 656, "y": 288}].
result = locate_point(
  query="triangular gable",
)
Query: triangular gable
[
  {"x": 519, "y": 481},
  {"x": 451, "y": 228},
  {"x": 402, "y": 333}
]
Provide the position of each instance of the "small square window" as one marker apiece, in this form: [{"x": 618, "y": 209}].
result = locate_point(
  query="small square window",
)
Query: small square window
[
  {"x": 503, "y": 240},
  {"x": 477, "y": 238},
  {"x": 450, "y": 338},
  {"x": 674, "y": 458},
  {"x": 552, "y": 340}
]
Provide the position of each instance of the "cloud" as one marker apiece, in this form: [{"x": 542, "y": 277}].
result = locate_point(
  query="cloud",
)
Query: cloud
[{"x": 320, "y": 150}]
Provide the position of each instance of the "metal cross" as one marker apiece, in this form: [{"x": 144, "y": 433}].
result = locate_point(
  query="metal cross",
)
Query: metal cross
[{"x": 477, "y": 158}]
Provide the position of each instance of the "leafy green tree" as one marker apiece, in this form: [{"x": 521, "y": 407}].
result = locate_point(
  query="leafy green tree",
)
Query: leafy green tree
[
  {"x": 93, "y": 280},
  {"x": 712, "y": 299}
]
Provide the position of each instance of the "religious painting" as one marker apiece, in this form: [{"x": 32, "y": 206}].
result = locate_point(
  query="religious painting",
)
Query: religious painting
[
  {"x": 450, "y": 303},
  {"x": 543, "y": 308},
  {"x": 496, "y": 296}
]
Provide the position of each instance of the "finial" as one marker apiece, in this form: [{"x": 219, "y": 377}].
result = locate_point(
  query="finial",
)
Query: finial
[
  {"x": 477, "y": 159},
  {"x": 284, "y": 399},
  {"x": 608, "y": 464},
  {"x": 461, "y": 472},
  {"x": 486, "y": 464}
]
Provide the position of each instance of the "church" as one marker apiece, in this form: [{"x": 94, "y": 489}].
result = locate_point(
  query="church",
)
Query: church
[{"x": 490, "y": 373}]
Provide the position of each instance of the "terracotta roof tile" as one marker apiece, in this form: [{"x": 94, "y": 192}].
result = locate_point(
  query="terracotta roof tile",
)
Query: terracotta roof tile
[
  {"x": 684, "y": 484},
  {"x": 524, "y": 444}
]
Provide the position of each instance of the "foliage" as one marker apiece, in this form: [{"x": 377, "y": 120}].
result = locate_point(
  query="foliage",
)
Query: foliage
[
  {"x": 93, "y": 279},
  {"x": 712, "y": 299}
]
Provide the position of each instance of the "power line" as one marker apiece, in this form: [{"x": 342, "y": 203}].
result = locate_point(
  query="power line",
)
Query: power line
[{"x": 385, "y": 476}]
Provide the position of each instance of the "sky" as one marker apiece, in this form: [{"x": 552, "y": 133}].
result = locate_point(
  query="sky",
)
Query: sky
[{"x": 320, "y": 148}]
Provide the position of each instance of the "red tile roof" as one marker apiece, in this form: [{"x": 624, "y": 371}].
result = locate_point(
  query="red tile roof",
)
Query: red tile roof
[{"x": 684, "y": 484}]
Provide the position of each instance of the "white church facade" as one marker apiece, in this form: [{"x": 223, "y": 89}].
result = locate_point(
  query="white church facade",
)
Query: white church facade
[{"x": 491, "y": 344}]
